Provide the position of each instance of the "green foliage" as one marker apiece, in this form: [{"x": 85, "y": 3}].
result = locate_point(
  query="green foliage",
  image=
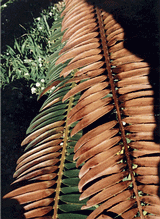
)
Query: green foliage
[{"x": 27, "y": 59}]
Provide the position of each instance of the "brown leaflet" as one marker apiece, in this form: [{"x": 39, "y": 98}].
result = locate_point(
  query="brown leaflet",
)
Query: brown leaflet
[
  {"x": 54, "y": 143},
  {"x": 38, "y": 212},
  {"x": 135, "y": 87},
  {"x": 95, "y": 141},
  {"x": 79, "y": 27},
  {"x": 149, "y": 189},
  {"x": 75, "y": 17},
  {"x": 152, "y": 217},
  {"x": 90, "y": 118},
  {"x": 107, "y": 167},
  {"x": 29, "y": 188},
  {"x": 151, "y": 199},
  {"x": 116, "y": 199},
  {"x": 105, "y": 145},
  {"x": 116, "y": 47},
  {"x": 69, "y": 17},
  {"x": 90, "y": 99},
  {"x": 146, "y": 170},
  {"x": 95, "y": 88},
  {"x": 143, "y": 101},
  {"x": 36, "y": 161},
  {"x": 37, "y": 155},
  {"x": 130, "y": 66},
  {"x": 47, "y": 133},
  {"x": 131, "y": 73},
  {"x": 40, "y": 203},
  {"x": 71, "y": 6},
  {"x": 133, "y": 95},
  {"x": 139, "y": 119},
  {"x": 82, "y": 32},
  {"x": 51, "y": 103},
  {"x": 108, "y": 193},
  {"x": 45, "y": 177},
  {"x": 39, "y": 172},
  {"x": 115, "y": 39},
  {"x": 111, "y": 36},
  {"x": 88, "y": 53},
  {"x": 113, "y": 28},
  {"x": 138, "y": 110},
  {"x": 78, "y": 41},
  {"x": 91, "y": 67},
  {"x": 107, "y": 18},
  {"x": 40, "y": 131},
  {"x": 88, "y": 109},
  {"x": 50, "y": 138},
  {"x": 48, "y": 88},
  {"x": 126, "y": 60},
  {"x": 123, "y": 206},
  {"x": 75, "y": 51},
  {"x": 152, "y": 209},
  {"x": 148, "y": 179},
  {"x": 144, "y": 145},
  {"x": 35, "y": 167},
  {"x": 97, "y": 159},
  {"x": 80, "y": 63},
  {"x": 33, "y": 196},
  {"x": 141, "y": 136},
  {"x": 140, "y": 153},
  {"x": 140, "y": 127},
  {"x": 110, "y": 24},
  {"x": 130, "y": 213},
  {"x": 94, "y": 132},
  {"x": 83, "y": 86},
  {"x": 119, "y": 54},
  {"x": 133, "y": 80},
  {"x": 147, "y": 161},
  {"x": 102, "y": 184},
  {"x": 96, "y": 72}
]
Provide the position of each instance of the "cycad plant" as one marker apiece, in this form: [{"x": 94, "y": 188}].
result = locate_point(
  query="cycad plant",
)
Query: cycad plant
[{"x": 90, "y": 152}]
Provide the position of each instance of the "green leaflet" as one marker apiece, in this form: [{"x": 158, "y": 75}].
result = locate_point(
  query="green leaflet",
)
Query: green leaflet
[
  {"x": 70, "y": 150},
  {"x": 69, "y": 189},
  {"x": 70, "y": 165},
  {"x": 49, "y": 121},
  {"x": 58, "y": 95},
  {"x": 48, "y": 116},
  {"x": 52, "y": 109},
  {"x": 53, "y": 57},
  {"x": 70, "y": 207},
  {"x": 57, "y": 92},
  {"x": 72, "y": 216},
  {"x": 71, "y": 173},
  {"x": 53, "y": 68},
  {"x": 72, "y": 198},
  {"x": 70, "y": 158},
  {"x": 71, "y": 182},
  {"x": 40, "y": 138}
]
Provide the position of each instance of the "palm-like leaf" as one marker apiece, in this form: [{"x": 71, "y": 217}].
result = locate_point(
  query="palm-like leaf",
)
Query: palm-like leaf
[{"x": 94, "y": 80}]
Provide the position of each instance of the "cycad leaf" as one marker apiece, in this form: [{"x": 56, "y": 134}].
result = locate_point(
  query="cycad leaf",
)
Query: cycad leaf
[{"x": 95, "y": 86}]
